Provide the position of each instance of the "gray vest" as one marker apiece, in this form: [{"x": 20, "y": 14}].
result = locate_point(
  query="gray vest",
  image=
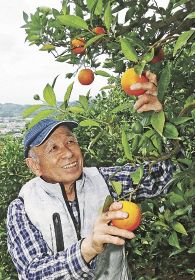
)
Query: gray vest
[{"x": 42, "y": 199}]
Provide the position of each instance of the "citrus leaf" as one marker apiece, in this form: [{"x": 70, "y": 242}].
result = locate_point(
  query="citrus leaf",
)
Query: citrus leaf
[
  {"x": 190, "y": 16},
  {"x": 102, "y": 73},
  {"x": 49, "y": 95},
  {"x": 180, "y": 120},
  {"x": 47, "y": 47},
  {"x": 183, "y": 211},
  {"x": 68, "y": 93},
  {"x": 75, "y": 109},
  {"x": 191, "y": 250},
  {"x": 40, "y": 116},
  {"x": 90, "y": 4},
  {"x": 121, "y": 108},
  {"x": 137, "y": 175},
  {"x": 182, "y": 40},
  {"x": 173, "y": 240},
  {"x": 149, "y": 56},
  {"x": 128, "y": 50},
  {"x": 170, "y": 131},
  {"x": 158, "y": 121},
  {"x": 117, "y": 186},
  {"x": 108, "y": 201},
  {"x": 179, "y": 228},
  {"x": 126, "y": 147},
  {"x": 164, "y": 81},
  {"x": 108, "y": 16},
  {"x": 27, "y": 112},
  {"x": 73, "y": 21},
  {"x": 54, "y": 81},
  {"x": 98, "y": 8},
  {"x": 93, "y": 40},
  {"x": 89, "y": 122},
  {"x": 83, "y": 101}
]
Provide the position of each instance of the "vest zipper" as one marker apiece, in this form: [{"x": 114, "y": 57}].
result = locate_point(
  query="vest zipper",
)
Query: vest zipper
[
  {"x": 77, "y": 225},
  {"x": 58, "y": 232}
]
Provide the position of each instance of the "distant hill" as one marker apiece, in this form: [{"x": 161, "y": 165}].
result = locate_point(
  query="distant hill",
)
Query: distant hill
[
  {"x": 12, "y": 110},
  {"x": 15, "y": 110}
]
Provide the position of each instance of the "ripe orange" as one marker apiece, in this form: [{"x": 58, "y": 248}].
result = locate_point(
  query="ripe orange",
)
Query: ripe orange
[
  {"x": 99, "y": 30},
  {"x": 158, "y": 55},
  {"x": 86, "y": 76},
  {"x": 134, "y": 218},
  {"x": 78, "y": 45},
  {"x": 129, "y": 78}
]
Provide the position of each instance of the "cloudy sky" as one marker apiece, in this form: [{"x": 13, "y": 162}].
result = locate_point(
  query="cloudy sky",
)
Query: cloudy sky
[{"x": 24, "y": 71}]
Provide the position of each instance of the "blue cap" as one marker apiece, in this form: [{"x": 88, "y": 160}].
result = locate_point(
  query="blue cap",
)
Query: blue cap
[{"x": 40, "y": 131}]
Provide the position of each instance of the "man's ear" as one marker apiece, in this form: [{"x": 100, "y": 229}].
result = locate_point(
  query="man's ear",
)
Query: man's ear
[{"x": 34, "y": 166}]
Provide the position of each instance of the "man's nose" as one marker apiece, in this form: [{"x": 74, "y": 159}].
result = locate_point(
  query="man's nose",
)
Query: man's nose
[{"x": 66, "y": 151}]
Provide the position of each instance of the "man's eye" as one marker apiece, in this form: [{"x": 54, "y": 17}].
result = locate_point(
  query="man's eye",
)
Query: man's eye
[{"x": 53, "y": 149}]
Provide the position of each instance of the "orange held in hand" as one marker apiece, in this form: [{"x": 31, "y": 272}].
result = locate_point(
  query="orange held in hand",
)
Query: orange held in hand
[
  {"x": 78, "y": 45},
  {"x": 134, "y": 218},
  {"x": 86, "y": 76},
  {"x": 129, "y": 78}
]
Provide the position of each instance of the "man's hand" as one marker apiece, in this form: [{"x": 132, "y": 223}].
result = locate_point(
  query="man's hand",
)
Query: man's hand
[
  {"x": 103, "y": 233},
  {"x": 149, "y": 100}
]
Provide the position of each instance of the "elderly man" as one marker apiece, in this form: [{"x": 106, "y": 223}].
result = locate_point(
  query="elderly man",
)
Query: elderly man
[{"x": 55, "y": 229}]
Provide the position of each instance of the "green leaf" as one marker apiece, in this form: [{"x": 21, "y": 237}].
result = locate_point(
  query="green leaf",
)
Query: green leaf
[
  {"x": 25, "y": 17},
  {"x": 126, "y": 147},
  {"x": 190, "y": 16},
  {"x": 108, "y": 201},
  {"x": 179, "y": 228},
  {"x": 192, "y": 250},
  {"x": 49, "y": 95},
  {"x": 122, "y": 107},
  {"x": 128, "y": 50},
  {"x": 181, "y": 2},
  {"x": 180, "y": 120},
  {"x": 75, "y": 109},
  {"x": 83, "y": 101},
  {"x": 102, "y": 73},
  {"x": 157, "y": 142},
  {"x": 40, "y": 116},
  {"x": 176, "y": 198},
  {"x": 158, "y": 121},
  {"x": 54, "y": 81},
  {"x": 73, "y": 21},
  {"x": 68, "y": 93},
  {"x": 137, "y": 175},
  {"x": 182, "y": 40},
  {"x": 108, "y": 16},
  {"x": 173, "y": 240},
  {"x": 27, "y": 112},
  {"x": 149, "y": 56},
  {"x": 183, "y": 211},
  {"x": 89, "y": 122},
  {"x": 164, "y": 81},
  {"x": 192, "y": 49},
  {"x": 47, "y": 47},
  {"x": 117, "y": 186},
  {"x": 93, "y": 40},
  {"x": 98, "y": 8},
  {"x": 170, "y": 131},
  {"x": 91, "y": 4}
]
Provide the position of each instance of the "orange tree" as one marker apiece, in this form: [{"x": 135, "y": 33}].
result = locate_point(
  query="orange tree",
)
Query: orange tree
[{"x": 110, "y": 131}]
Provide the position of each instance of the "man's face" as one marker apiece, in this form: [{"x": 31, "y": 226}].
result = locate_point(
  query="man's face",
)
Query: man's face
[{"x": 59, "y": 157}]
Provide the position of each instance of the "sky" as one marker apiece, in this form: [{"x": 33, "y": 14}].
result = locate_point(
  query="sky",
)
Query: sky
[{"x": 24, "y": 70}]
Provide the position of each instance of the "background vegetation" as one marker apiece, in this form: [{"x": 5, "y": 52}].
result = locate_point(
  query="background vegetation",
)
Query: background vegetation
[{"x": 110, "y": 131}]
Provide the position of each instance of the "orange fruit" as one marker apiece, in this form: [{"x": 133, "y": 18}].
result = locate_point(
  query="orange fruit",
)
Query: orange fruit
[
  {"x": 129, "y": 78},
  {"x": 158, "y": 55},
  {"x": 86, "y": 76},
  {"x": 134, "y": 218},
  {"x": 78, "y": 45},
  {"x": 99, "y": 30}
]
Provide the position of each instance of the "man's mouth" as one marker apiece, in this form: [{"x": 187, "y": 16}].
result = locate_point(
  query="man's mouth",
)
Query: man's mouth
[{"x": 70, "y": 165}]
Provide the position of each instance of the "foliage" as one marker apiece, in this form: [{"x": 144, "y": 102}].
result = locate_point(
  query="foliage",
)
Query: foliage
[
  {"x": 109, "y": 128},
  {"x": 13, "y": 175}
]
